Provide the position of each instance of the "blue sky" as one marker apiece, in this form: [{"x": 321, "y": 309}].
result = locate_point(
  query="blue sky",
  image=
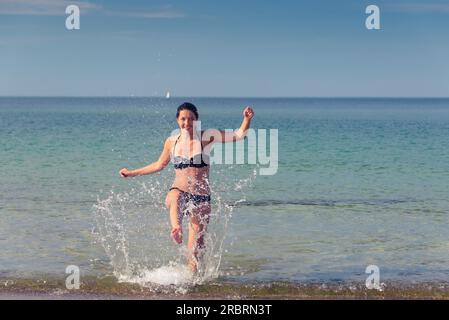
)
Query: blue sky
[{"x": 243, "y": 48}]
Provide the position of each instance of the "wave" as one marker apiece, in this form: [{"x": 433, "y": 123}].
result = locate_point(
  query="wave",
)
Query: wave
[{"x": 322, "y": 202}]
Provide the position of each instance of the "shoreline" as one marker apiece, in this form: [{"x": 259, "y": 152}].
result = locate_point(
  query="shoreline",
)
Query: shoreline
[{"x": 110, "y": 289}]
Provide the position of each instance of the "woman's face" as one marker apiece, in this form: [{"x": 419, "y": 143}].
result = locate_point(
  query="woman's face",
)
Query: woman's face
[{"x": 186, "y": 120}]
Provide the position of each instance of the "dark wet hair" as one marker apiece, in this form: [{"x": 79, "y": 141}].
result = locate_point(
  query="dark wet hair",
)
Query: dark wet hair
[{"x": 187, "y": 106}]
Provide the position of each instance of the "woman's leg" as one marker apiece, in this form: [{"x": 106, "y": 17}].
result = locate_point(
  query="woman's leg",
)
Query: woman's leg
[
  {"x": 173, "y": 203},
  {"x": 197, "y": 228}
]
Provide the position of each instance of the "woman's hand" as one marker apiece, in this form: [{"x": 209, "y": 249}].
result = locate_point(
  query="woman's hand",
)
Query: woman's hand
[
  {"x": 248, "y": 113},
  {"x": 125, "y": 173}
]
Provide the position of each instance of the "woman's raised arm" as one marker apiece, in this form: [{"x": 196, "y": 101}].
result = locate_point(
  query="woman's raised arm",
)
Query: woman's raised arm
[{"x": 239, "y": 134}]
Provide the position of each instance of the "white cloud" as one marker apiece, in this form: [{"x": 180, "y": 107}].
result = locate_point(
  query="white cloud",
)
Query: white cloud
[
  {"x": 57, "y": 8},
  {"x": 421, "y": 7},
  {"x": 163, "y": 12},
  {"x": 155, "y": 14},
  {"x": 42, "y": 7}
]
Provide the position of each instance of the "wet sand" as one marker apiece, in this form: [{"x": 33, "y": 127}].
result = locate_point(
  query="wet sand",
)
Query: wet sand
[{"x": 110, "y": 289}]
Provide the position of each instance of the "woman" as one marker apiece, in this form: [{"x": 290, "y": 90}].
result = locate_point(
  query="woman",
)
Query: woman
[{"x": 190, "y": 192}]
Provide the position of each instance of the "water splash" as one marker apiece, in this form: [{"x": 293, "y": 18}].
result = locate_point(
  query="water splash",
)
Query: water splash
[{"x": 133, "y": 228}]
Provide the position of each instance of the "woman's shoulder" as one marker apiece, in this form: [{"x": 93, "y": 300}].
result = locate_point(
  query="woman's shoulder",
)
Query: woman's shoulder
[
  {"x": 170, "y": 141},
  {"x": 171, "y": 138}
]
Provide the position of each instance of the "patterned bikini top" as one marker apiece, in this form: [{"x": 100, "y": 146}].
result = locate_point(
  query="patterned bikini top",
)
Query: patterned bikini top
[{"x": 195, "y": 162}]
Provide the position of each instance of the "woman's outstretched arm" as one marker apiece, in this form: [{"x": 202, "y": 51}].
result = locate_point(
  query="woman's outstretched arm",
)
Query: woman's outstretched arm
[
  {"x": 157, "y": 166},
  {"x": 239, "y": 134}
]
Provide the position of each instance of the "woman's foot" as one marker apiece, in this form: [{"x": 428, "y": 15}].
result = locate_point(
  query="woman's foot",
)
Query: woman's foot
[{"x": 176, "y": 234}]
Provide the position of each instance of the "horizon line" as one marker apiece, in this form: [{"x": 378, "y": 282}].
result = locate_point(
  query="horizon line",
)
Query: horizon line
[{"x": 232, "y": 97}]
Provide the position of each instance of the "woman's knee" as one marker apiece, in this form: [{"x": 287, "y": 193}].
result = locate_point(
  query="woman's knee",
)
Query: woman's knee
[
  {"x": 172, "y": 198},
  {"x": 196, "y": 227},
  {"x": 167, "y": 202},
  {"x": 198, "y": 222},
  {"x": 201, "y": 215}
]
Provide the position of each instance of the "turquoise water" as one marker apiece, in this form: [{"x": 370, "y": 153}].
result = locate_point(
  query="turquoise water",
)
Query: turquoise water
[{"x": 360, "y": 182}]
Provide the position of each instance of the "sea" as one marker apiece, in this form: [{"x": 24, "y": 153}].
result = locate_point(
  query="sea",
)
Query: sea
[{"x": 358, "y": 187}]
